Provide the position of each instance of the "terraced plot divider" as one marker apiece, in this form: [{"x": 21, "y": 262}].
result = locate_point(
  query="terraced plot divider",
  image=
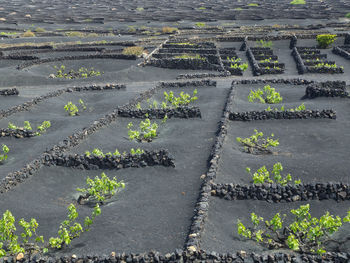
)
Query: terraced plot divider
[
  {"x": 271, "y": 193},
  {"x": 29, "y": 104},
  {"x": 263, "y": 61},
  {"x": 9, "y": 92},
  {"x": 91, "y": 56},
  {"x": 310, "y": 60},
  {"x": 343, "y": 51},
  {"x": 231, "y": 62},
  {"x": 327, "y": 89},
  {"x": 129, "y": 110},
  {"x": 186, "y": 55},
  {"x": 160, "y": 157}
]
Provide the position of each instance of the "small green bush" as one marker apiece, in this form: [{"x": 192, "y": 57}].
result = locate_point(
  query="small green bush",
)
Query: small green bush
[
  {"x": 298, "y": 2},
  {"x": 325, "y": 40},
  {"x": 147, "y": 131},
  {"x": 262, "y": 175},
  {"x": 200, "y": 24},
  {"x": 100, "y": 189},
  {"x": 347, "y": 15},
  {"x": 3, "y": 155},
  {"x": 243, "y": 66},
  {"x": 184, "y": 99},
  {"x": 189, "y": 56},
  {"x": 264, "y": 43},
  {"x": 256, "y": 143},
  {"x": 265, "y": 95},
  {"x": 72, "y": 74},
  {"x": 28, "y": 127},
  {"x": 306, "y": 234}
]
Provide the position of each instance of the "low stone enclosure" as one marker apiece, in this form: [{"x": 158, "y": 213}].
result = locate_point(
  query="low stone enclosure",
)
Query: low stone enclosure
[
  {"x": 222, "y": 188},
  {"x": 187, "y": 187},
  {"x": 311, "y": 60},
  {"x": 182, "y": 53},
  {"x": 263, "y": 61}
]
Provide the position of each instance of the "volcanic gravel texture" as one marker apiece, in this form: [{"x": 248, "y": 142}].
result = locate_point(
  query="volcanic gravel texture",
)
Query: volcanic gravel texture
[{"x": 187, "y": 206}]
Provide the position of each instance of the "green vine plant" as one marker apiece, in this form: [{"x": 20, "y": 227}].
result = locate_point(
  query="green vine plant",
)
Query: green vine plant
[
  {"x": 234, "y": 60},
  {"x": 256, "y": 144},
  {"x": 262, "y": 175},
  {"x": 183, "y": 99},
  {"x": 69, "y": 229},
  {"x": 3, "y": 153},
  {"x": 243, "y": 66},
  {"x": 327, "y": 65},
  {"x": 325, "y": 40},
  {"x": 13, "y": 241},
  {"x": 28, "y": 127},
  {"x": 99, "y": 189},
  {"x": 99, "y": 153},
  {"x": 264, "y": 43},
  {"x": 72, "y": 74},
  {"x": 306, "y": 234},
  {"x": 146, "y": 132},
  {"x": 265, "y": 95},
  {"x": 172, "y": 101},
  {"x": 73, "y": 109},
  {"x": 296, "y": 109},
  {"x": 268, "y": 60}
]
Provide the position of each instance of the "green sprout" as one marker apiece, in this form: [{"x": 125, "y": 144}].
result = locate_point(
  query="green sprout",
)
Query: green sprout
[
  {"x": 256, "y": 144},
  {"x": 306, "y": 234},
  {"x": 263, "y": 43},
  {"x": 28, "y": 127},
  {"x": 72, "y": 74},
  {"x": 100, "y": 189},
  {"x": 70, "y": 229},
  {"x": 298, "y": 2},
  {"x": 262, "y": 175},
  {"x": 147, "y": 131},
  {"x": 3, "y": 154},
  {"x": 266, "y": 95},
  {"x": 99, "y": 153},
  {"x": 188, "y": 56},
  {"x": 184, "y": 99},
  {"x": 243, "y": 66},
  {"x": 73, "y": 109},
  {"x": 299, "y": 108},
  {"x": 325, "y": 40}
]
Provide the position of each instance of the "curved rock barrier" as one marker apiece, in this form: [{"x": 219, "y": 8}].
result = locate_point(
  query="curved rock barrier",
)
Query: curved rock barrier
[
  {"x": 278, "y": 115},
  {"x": 310, "y": 60},
  {"x": 9, "y": 92},
  {"x": 180, "y": 112},
  {"x": 194, "y": 83},
  {"x": 277, "y": 193},
  {"x": 92, "y": 162},
  {"x": 29, "y": 104},
  {"x": 181, "y": 256},
  {"x": 91, "y": 56},
  {"x": 17, "y": 133},
  {"x": 342, "y": 52},
  {"x": 203, "y": 75},
  {"x": 178, "y": 63},
  {"x": 314, "y": 91}
]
